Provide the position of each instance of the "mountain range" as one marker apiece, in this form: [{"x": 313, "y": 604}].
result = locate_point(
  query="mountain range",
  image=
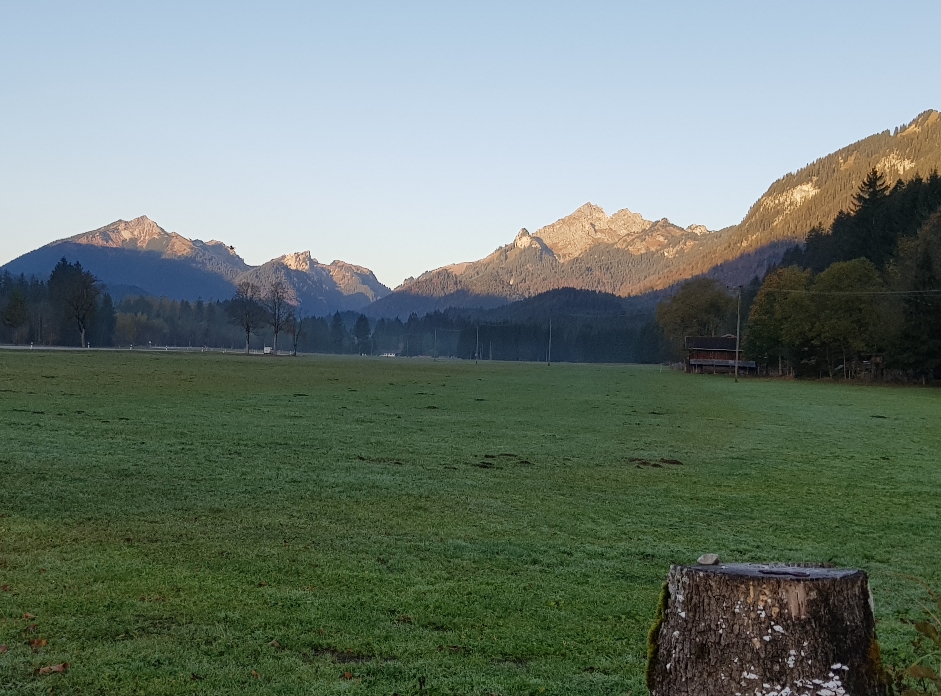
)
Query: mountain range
[
  {"x": 141, "y": 258},
  {"x": 626, "y": 255},
  {"x": 623, "y": 254}
]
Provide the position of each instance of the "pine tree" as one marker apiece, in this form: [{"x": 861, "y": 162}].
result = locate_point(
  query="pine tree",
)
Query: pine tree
[
  {"x": 872, "y": 192},
  {"x": 920, "y": 340},
  {"x": 337, "y": 333},
  {"x": 14, "y": 315},
  {"x": 876, "y": 241},
  {"x": 361, "y": 334},
  {"x": 74, "y": 292}
]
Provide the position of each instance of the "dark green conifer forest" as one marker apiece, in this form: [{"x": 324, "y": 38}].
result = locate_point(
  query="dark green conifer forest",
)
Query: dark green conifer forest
[{"x": 863, "y": 297}]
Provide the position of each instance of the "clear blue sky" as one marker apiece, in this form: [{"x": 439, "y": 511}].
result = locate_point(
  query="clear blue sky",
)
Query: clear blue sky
[{"x": 404, "y": 136}]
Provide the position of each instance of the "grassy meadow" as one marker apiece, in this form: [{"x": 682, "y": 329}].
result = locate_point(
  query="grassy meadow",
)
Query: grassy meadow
[{"x": 217, "y": 524}]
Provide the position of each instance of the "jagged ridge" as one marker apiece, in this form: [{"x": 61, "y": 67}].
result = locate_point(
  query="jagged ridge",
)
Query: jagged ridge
[
  {"x": 626, "y": 255},
  {"x": 120, "y": 252}
]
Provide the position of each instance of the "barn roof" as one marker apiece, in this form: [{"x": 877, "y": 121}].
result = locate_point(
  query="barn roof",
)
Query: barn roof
[{"x": 710, "y": 343}]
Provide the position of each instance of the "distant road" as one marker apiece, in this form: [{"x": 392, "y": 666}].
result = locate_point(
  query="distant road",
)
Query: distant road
[{"x": 144, "y": 349}]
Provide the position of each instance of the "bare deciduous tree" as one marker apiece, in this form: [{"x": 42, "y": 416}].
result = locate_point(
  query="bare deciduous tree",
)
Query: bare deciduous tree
[
  {"x": 245, "y": 310},
  {"x": 278, "y": 309},
  {"x": 295, "y": 329}
]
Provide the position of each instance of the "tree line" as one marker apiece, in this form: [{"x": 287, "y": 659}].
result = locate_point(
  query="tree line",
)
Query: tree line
[
  {"x": 69, "y": 308},
  {"x": 45, "y": 313}
]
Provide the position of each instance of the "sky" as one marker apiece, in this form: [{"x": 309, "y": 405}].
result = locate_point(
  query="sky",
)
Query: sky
[{"x": 405, "y": 136}]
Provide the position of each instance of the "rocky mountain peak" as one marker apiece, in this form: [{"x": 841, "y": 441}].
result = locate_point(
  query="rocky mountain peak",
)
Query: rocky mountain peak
[
  {"x": 524, "y": 240},
  {"x": 141, "y": 229},
  {"x": 352, "y": 267},
  {"x": 626, "y": 222},
  {"x": 299, "y": 261},
  {"x": 574, "y": 234},
  {"x": 139, "y": 233}
]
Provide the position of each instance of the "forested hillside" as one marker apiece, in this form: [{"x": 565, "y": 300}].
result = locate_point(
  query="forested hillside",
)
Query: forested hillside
[{"x": 864, "y": 295}]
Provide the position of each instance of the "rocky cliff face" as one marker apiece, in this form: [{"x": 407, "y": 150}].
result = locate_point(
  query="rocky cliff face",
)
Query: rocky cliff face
[{"x": 319, "y": 288}]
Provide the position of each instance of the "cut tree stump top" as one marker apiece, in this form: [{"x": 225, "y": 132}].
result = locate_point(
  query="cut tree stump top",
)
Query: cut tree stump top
[{"x": 773, "y": 570}]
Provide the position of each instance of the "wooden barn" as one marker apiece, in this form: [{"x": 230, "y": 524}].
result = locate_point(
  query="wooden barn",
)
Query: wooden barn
[{"x": 715, "y": 354}]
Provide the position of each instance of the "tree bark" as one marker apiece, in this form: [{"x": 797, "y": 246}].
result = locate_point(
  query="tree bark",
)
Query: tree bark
[{"x": 765, "y": 630}]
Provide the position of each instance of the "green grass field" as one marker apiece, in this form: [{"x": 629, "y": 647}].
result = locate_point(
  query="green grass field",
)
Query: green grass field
[{"x": 221, "y": 524}]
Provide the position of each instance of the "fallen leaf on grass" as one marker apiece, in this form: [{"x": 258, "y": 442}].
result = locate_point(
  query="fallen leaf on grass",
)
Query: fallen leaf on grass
[
  {"x": 196, "y": 677},
  {"x": 27, "y": 615},
  {"x": 5, "y": 588},
  {"x": 51, "y": 669},
  {"x": 922, "y": 672},
  {"x": 347, "y": 675},
  {"x": 256, "y": 674},
  {"x": 32, "y": 628},
  {"x": 275, "y": 644},
  {"x": 263, "y": 584},
  {"x": 3, "y": 649},
  {"x": 36, "y": 644}
]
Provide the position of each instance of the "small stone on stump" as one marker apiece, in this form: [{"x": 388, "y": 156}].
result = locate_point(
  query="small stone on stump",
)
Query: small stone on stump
[
  {"x": 768, "y": 630},
  {"x": 708, "y": 559}
]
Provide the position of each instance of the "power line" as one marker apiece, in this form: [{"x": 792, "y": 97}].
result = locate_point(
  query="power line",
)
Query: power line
[{"x": 854, "y": 292}]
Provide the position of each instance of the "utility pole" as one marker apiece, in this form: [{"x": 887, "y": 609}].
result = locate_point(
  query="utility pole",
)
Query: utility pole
[
  {"x": 549, "y": 353},
  {"x": 477, "y": 349},
  {"x": 738, "y": 330}
]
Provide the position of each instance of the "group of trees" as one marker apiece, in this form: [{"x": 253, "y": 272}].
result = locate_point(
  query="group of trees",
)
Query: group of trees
[
  {"x": 880, "y": 217},
  {"x": 68, "y": 309},
  {"x": 870, "y": 285},
  {"x": 703, "y": 307},
  {"x": 162, "y": 321},
  {"x": 251, "y": 310},
  {"x": 821, "y": 323}
]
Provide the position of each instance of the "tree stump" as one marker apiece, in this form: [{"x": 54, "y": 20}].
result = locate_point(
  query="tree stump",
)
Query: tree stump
[{"x": 768, "y": 630}]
